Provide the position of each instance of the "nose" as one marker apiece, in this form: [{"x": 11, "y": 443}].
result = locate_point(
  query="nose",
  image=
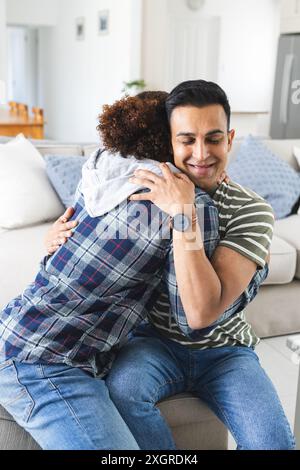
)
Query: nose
[{"x": 200, "y": 151}]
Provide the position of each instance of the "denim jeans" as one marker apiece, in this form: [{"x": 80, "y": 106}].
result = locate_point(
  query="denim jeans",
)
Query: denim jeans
[
  {"x": 230, "y": 380},
  {"x": 62, "y": 407}
]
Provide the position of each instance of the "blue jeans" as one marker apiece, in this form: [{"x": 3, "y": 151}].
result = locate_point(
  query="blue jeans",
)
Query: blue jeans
[
  {"x": 230, "y": 380},
  {"x": 62, "y": 407}
]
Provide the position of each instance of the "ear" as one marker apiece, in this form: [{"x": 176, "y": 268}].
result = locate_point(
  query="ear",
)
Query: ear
[{"x": 231, "y": 135}]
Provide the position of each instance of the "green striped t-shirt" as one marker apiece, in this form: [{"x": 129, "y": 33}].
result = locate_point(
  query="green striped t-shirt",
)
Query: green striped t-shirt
[{"x": 245, "y": 225}]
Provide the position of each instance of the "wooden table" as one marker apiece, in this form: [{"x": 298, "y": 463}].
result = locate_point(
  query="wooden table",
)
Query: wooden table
[{"x": 14, "y": 124}]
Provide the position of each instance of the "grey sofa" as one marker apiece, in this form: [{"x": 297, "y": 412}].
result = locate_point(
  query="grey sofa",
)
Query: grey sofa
[
  {"x": 193, "y": 425},
  {"x": 275, "y": 311}
]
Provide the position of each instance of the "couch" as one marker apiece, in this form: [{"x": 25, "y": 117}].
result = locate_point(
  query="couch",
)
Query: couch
[
  {"x": 274, "y": 312},
  {"x": 276, "y": 309}
]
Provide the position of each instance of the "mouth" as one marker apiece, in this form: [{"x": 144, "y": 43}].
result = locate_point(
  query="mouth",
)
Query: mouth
[{"x": 201, "y": 170}]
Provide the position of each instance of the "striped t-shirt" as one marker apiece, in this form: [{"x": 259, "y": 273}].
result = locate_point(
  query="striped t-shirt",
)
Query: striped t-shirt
[{"x": 245, "y": 225}]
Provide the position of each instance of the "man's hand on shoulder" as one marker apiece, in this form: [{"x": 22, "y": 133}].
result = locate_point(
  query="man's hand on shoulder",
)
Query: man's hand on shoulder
[{"x": 223, "y": 178}]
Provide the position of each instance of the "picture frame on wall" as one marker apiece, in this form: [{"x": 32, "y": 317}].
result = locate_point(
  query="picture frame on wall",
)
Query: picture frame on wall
[
  {"x": 80, "y": 29},
  {"x": 103, "y": 22}
]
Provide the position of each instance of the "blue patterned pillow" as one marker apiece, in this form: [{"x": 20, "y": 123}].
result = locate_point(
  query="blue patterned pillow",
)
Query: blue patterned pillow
[
  {"x": 64, "y": 172},
  {"x": 257, "y": 168}
]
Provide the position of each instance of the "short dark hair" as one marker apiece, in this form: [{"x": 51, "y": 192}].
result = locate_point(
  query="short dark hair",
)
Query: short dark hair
[
  {"x": 198, "y": 93},
  {"x": 138, "y": 126}
]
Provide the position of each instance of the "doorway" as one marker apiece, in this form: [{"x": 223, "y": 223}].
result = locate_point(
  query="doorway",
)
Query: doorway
[{"x": 23, "y": 80}]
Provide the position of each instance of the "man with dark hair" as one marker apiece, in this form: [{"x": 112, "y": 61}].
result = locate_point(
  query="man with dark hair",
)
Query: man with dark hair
[
  {"x": 215, "y": 358},
  {"x": 209, "y": 352},
  {"x": 198, "y": 93}
]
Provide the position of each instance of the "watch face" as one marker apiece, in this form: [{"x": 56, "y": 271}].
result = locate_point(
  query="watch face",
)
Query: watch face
[{"x": 181, "y": 222}]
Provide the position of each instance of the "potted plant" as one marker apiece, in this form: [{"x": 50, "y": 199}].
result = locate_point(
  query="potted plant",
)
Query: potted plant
[{"x": 134, "y": 87}]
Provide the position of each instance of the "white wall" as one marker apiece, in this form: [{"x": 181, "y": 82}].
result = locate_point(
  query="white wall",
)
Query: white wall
[
  {"x": 248, "y": 46},
  {"x": 136, "y": 20},
  {"x": 3, "y": 51},
  {"x": 248, "y": 51},
  {"x": 32, "y": 12},
  {"x": 78, "y": 77},
  {"x": 179, "y": 44},
  {"x": 155, "y": 34}
]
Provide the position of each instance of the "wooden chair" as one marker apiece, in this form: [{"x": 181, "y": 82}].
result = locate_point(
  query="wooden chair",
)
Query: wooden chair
[
  {"x": 38, "y": 114},
  {"x": 22, "y": 110},
  {"x": 13, "y": 107},
  {"x": 17, "y": 120}
]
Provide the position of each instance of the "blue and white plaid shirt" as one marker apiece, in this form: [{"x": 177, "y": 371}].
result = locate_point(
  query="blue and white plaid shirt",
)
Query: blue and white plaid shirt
[{"x": 96, "y": 288}]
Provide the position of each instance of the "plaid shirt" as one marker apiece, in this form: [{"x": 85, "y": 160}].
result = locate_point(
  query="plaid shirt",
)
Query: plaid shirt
[{"x": 95, "y": 289}]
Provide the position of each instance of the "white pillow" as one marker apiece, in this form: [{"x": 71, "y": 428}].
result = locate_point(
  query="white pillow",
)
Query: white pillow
[{"x": 26, "y": 195}]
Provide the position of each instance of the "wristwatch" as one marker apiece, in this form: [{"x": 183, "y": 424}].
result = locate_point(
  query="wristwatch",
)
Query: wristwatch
[{"x": 180, "y": 222}]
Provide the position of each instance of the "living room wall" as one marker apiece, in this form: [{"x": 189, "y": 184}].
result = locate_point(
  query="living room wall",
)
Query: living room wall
[
  {"x": 76, "y": 77},
  {"x": 3, "y": 40},
  {"x": 248, "y": 43},
  {"x": 79, "y": 76},
  {"x": 32, "y": 12}
]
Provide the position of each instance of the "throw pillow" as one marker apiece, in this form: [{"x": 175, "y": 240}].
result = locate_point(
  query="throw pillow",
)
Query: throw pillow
[
  {"x": 258, "y": 169},
  {"x": 26, "y": 195},
  {"x": 64, "y": 173}
]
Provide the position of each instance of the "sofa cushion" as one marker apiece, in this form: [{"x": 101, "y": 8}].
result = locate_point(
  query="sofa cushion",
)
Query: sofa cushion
[
  {"x": 89, "y": 149},
  {"x": 194, "y": 426},
  {"x": 12, "y": 436},
  {"x": 257, "y": 168},
  {"x": 275, "y": 310},
  {"x": 26, "y": 195},
  {"x": 65, "y": 173},
  {"x": 59, "y": 149},
  {"x": 194, "y": 409},
  {"x": 289, "y": 230},
  {"x": 282, "y": 263},
  {"x": 20, "y": 253}
]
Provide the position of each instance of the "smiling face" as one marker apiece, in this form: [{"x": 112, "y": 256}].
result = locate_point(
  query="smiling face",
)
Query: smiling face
[{"x": 201, "y": 143}]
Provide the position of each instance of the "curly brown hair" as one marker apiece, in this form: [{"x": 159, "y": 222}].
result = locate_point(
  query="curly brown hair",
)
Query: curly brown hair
[{"x": 137, "y": 126}]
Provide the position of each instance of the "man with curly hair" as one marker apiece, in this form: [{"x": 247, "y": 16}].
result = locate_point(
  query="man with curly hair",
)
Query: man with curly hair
[{"x": 210, "y": 351}]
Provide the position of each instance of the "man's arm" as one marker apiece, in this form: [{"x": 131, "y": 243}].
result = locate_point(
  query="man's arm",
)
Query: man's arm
[
  {"x": 218, "y": 282},
  {"x": 208, "y": 287}
]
